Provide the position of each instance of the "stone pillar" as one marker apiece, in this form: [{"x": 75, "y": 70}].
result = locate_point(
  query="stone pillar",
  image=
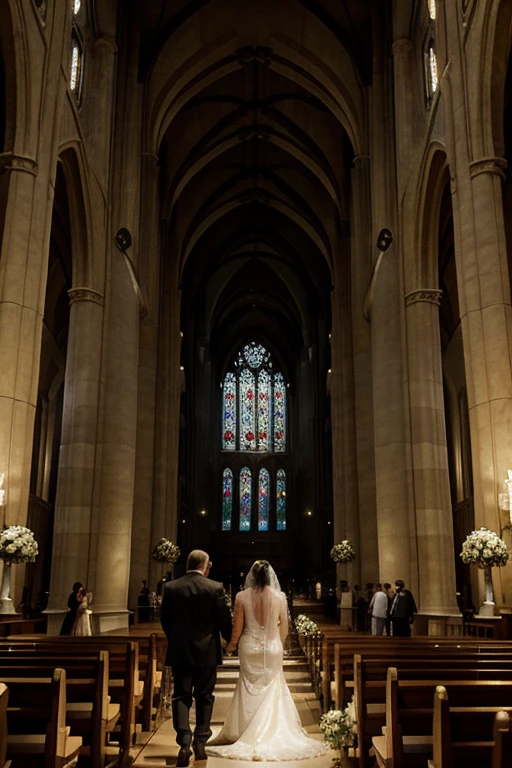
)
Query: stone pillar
[
  {"x": 432, "y": 502},
  {"x": 112, "y": 526},
  {"x": 486, "y": 319},
  {"x": 22, "y": 274},
  {"x": 360, "y": 270},
  {"x": 77, "y": 460},
  {"x": 165, "y": 508}
]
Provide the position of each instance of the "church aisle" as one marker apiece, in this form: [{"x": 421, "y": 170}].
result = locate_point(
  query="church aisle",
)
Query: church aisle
[{"x": 161, "y": 751}]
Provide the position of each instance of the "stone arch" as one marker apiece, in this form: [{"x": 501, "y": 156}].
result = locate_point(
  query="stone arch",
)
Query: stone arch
[
  {"x": 429, "y": 205},
  {"x": 86, "y": 271}
]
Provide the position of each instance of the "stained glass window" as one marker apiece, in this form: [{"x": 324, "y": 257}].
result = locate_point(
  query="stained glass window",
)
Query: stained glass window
[
  {"x": 77, "y": 4},
  {"x": 432, "y": 9},
  {"x": 279, "y": 413},
  {"x": 75, "y": 71},
  {"x": 229, "y": 413},
  {"x": 227, "y": 499},
  {"x": 281, "y": 500},
  {"x": 263, "y": 500},
  {"x": 247, "y": 411},
  {"x": 254, "y": 403},
  {"x": 264, "y": 428},
  {"x": 245, "y": 499},
  {"x": 432, "y": 65}
]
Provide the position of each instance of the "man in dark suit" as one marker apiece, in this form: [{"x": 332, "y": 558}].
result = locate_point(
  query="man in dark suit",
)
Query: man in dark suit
[
  {"x": 194, "y": 612},
  {"x": 402, "y": 611}
]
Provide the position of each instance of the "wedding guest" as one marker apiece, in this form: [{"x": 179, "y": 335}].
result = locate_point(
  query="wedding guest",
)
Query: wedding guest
[
  {"x": 402, "y": 610},
  {"x": 360, "y": 605},
  {"x": 379, "y": 611},
  {"x": 388, "y": 589},
  {"x": 82, "y": 625},
  {"x": 73, "y": 603},
  {"x": 143, "y": 603}
]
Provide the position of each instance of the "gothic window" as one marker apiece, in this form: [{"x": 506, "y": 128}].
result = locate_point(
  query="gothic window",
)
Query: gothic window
[
  {"x": 77, "y": 4},
  {"x": 76, "y": 66},
  {"x": 281, "y": 500},
  {"x": 227, "y": 499},
  {"x": 254, "y": 403},
  {"x": 263, "y": 499},
  {"x": 432, "y": 68},
  {"x": 245, "y": 499},
  {"x": 429, "y": 53}
]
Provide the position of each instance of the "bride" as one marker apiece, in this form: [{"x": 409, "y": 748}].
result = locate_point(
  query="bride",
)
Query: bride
[{"x": 262, "y": 722}]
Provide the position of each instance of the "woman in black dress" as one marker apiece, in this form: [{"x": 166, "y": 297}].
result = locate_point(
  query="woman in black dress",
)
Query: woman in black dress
[{"x": 73, "y": 603}]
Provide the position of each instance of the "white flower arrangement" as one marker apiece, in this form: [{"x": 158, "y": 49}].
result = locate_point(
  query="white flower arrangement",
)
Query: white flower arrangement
[
  {"x": 166, "y": 552},
  {"x": 339, "y": 727},
  {"x": 485, "y": 549},
  {"x": 344, "y": 552},
  {"x": 18, "y": 545},
  {"x": 305, "y": 626}
]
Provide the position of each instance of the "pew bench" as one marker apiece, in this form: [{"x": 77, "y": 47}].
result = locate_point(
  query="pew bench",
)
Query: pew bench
[
  {"x": 408, "y": 738},
  {"x": 89, "y": 712},
  {"x": 469, "y": 736},
  {"x": 4, "y": 700},
  {"x": 121, "y": 676},
  {"x": 38, "y": 736}
]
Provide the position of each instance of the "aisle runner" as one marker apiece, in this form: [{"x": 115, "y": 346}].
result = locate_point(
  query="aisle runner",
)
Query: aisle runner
[{"x": 161, "y": 750}]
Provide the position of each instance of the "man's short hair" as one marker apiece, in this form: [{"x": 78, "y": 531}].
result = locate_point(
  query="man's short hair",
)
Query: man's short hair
[
  {"x": 197, "y": 560},
  {"x": 387, "y": 586},
  {"x": 399, "y": 583}
]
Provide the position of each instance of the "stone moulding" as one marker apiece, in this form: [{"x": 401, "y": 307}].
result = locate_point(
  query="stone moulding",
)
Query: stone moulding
[
  {"x": 495, "y": 165},
  {"x": 85, "y": 294},
  {"x": 11, "y": 162},
  {"x": 425, "y": 295}
]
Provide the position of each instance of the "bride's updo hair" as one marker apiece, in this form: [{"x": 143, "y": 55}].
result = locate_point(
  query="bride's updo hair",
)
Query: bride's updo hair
[{"x": 261, "y": 574}]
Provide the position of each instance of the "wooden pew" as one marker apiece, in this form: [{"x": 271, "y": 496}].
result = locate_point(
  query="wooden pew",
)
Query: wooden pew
[
  {"x": 122, "y": 672},
  {"x": 340, "y": 688},
  {"x": 408, "y": 739},
  {"x": 4, "y": 699},
  {"x": 38, "y": 736},
  {"x": 89, "y": 712},
  {"x": 467, "y": 736},
  {"x": 147, "y": 678}
]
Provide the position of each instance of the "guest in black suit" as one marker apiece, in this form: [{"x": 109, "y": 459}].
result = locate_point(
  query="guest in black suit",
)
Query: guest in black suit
[
  {"x": 194, "y": 612},
  {"x": 73, "y": 603},
  {"x": 402, "y": 610}
]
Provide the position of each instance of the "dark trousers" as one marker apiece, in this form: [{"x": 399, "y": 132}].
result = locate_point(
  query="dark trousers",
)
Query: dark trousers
[
  {"x": 197, "y": 683},
  {"x": 401, "y": 627}
]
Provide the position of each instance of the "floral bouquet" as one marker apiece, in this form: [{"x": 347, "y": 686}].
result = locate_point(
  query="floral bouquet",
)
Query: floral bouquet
[
  {"x": 166, "y": 552},
  {"x": 305, "y": 626},
  {"x": 344, "y": 552},
  {"x": 485, "y": 549},
  {"x": 339, "y": 727},
  {"x": 18, "y": 545}
]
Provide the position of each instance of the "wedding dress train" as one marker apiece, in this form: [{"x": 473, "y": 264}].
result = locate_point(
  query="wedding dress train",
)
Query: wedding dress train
[{"x": 263, "y": 722}]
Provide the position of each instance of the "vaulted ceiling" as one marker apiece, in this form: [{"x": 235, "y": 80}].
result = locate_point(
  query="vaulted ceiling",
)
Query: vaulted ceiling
[{"x": 256, "y": 110}]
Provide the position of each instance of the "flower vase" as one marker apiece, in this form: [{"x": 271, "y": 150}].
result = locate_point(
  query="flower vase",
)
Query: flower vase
[
  {"x": 487, "y": 607},
  {"x": 6, "y": 601}
]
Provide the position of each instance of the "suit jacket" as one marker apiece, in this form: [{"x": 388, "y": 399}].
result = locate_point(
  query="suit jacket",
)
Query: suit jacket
[
  {"x": 194, "y": 611},
  {"x": 403, "y": 606}
]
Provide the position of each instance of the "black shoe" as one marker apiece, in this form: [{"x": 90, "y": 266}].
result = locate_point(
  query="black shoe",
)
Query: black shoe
[
  {"x": 199, "y": 750},
  {"x": 183, "y": 757}
]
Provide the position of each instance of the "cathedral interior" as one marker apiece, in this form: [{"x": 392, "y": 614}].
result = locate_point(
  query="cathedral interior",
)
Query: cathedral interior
[{"x": 255, "y": 292}]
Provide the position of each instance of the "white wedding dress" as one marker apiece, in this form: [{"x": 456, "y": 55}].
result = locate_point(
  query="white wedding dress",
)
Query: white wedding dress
[{"x": 263, "y": 722}]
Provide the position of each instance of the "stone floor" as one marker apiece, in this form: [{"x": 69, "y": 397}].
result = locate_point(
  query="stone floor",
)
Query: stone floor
[{"x": 161, "y": 749}]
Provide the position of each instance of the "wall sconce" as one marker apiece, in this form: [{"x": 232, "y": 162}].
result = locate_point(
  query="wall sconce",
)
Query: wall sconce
[
  {"x": 2, "y": 489},
  {"x": 309, "y": 513},
  {"x": 504, "y": 498},
  {"x": 203, "y": 512}
]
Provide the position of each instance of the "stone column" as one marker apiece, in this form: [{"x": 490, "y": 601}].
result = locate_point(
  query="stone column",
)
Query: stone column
[
  {"x": 360, "y": 270},
  {"x": 21, "y": 276},
  {"x": 165, "y": 509},
  {"x": 112, "y": 526},
  {"x": 77, "y": 460},
  {"x": 434, "y": 526}
]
